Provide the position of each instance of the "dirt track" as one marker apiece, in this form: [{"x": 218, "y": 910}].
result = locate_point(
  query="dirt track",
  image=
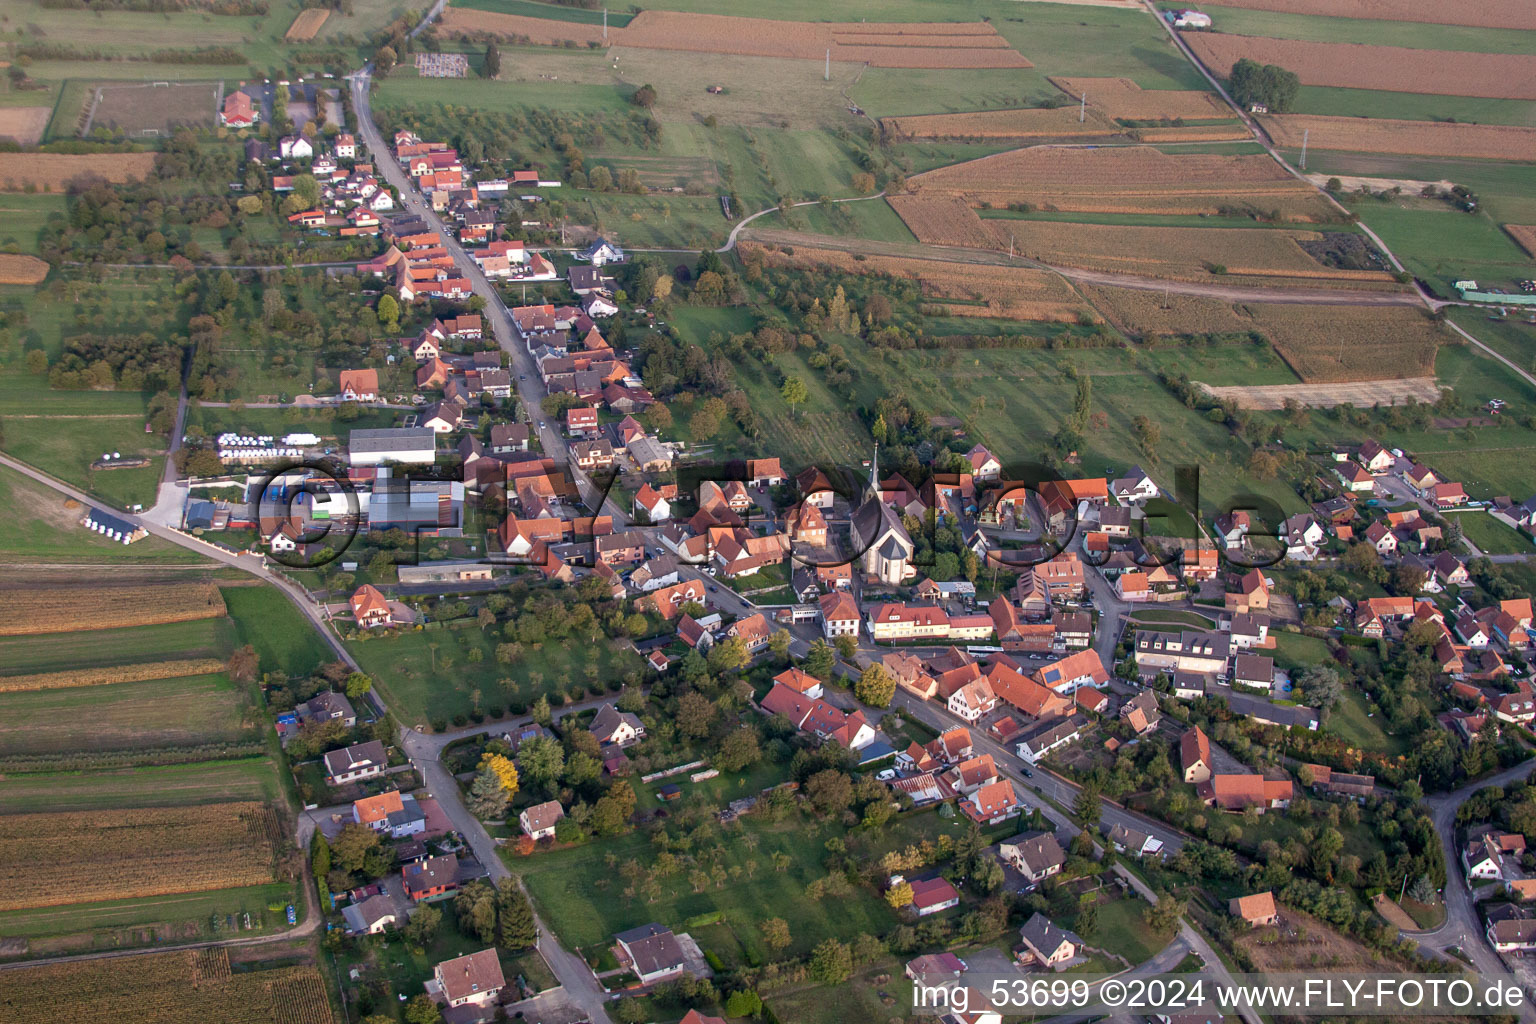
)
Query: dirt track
[{"x": 1361, "y": 394}]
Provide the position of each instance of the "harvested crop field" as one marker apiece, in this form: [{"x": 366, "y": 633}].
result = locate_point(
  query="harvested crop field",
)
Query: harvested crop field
[
  {"x": 47, "y": 860},
  {"x": 942, "y": 220},
  {"x": 24, "y": 125},
  {"x": 896, "y": 45},
  {"x": 307, "y": 25},
  {"x": 1320, "y": 342},
  {"x": 1270, "y": 255},
  {"x": 1414, "y": 138},
  {"x": 22, "y": 269},
  {"x": 964, "y": 289},
  {"x": 1127, "y": 179},
  {"x": 1123, "y": 99},
  {"x": 165, "y": 988},
  {"x": 55, "y": 171},
  {"x": 1385, "y": 68},
  {"x": 1351, "y": 343},
  {"x": 1481, "y": 13},
  {"x": 1524, "y": 236},
  {"x": 65, "y": 609}
]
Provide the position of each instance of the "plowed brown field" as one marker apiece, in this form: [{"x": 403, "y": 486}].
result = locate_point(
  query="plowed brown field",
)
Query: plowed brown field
[
  {"x": 1417, "y": 138},
  {"x": 1011, "y": 293},
  {"x": 1123, "y": 98},
  {"x": 56, "y": 170},
  {"x": 1482, "y": 13},
  {"x": 1126, "y": 180},
  {"x": 1524, "y": 236},
  {"x": 904, "y": 45},
  {"x": 1388, "y": 68}
]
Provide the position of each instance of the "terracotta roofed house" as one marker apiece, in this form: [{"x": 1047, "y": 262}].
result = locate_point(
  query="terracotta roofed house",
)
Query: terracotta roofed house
[
  {"x": 369, "y": 607},
  {"x": 538, "y": 821},
  {"x": 1195, "y": 755},
  {"x": 1257, "y": 909}
]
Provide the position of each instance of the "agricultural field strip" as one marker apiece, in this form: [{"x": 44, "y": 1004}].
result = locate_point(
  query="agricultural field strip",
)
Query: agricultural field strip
[
  {"x": 1516, "y": 14},
  {"x": 307, "y": 24},
  {"x": 1414, "y": 138},
  {"x": 50, "y": 859},
  {"x": 1047, "y": 123},
  {"x": 1127, "y": 179},
  {"x": 66, "y": 609},
  {"x": 1320, "y": 343},
  {"x": 1383, "y": 68},
  {"x": 1123, "y": 98},
  {"x": 16, "y": 269},
  {"x": 107, "y": 675},
  {"x": 166, "y": 988},
  {"x": 909, "y": 45},
  {"x": 1524, "y": 236},
  {"x": 1174, "y": 253},
  {"x": 56, "y": 170},
  {"x": 1018, "y": 293}
]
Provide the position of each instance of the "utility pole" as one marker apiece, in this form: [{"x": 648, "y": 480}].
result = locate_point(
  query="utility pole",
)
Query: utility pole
[
  {"x": 605, "y": 24},
  {"x": 826, "y": 76},
  {"x": 1305, "y": 132},
  {"x": 1082, "y": 109}
]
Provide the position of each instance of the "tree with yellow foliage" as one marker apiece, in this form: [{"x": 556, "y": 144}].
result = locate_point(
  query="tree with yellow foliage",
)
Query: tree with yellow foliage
[
  {"x": 899, "y": 895},
  {"x": 504, "y": 770}
]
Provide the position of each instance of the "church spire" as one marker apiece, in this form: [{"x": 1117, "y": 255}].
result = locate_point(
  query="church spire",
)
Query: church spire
[{"x": 874, "y": 472}]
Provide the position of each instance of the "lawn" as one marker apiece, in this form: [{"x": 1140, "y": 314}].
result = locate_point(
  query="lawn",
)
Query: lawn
[
  {"x": 877, "y": 992},
  {"x": 1443, "y": 245},
  {"x": 153, "y": 786},
  {"x": 429, "y": 675},
  {"x": 1409, "y": 106},
  {"x": 1296, "y": 651},
  {"x": 284, "y": 640},
  {"x": 579, "y": 894},
  {"x": 56, "y": 652},
  {"x": 873, "y": 219},
  {"x": 1223, "y": 365},
  {"x": 1349, "y": 722},
  {"x": 1414, "y": 35},
  {"x": 65, "y": 446},
  {"x": 40, "y": 528},
  {"x": 1167, "y": 615},
  {"x": 1122, "y": 931},
  {"x": 22, "y": 218},
  {"x": 536, "y": 9},
  {"x": 1491, "y": 536}
]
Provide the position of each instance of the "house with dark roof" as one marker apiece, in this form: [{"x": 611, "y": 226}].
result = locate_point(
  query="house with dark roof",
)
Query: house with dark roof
[
  {"x": 651, "y": 951},
  {"x": 431, "y": 877},
  {"x": 616, "y": 728},
  {"x": 1046, "y": 945},
  {"x": 1035, "y": 855}
]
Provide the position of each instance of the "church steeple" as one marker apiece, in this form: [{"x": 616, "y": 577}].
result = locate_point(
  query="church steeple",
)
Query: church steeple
[{"x": 874, "y": 472}]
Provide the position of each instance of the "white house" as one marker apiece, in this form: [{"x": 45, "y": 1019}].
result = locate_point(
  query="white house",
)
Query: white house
[
  {"x": 473, "y": 980},
  {"x": 601, "y": 252},
  {"x": 538, "y": 821},
  {"x": 295, "y": 147}
]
